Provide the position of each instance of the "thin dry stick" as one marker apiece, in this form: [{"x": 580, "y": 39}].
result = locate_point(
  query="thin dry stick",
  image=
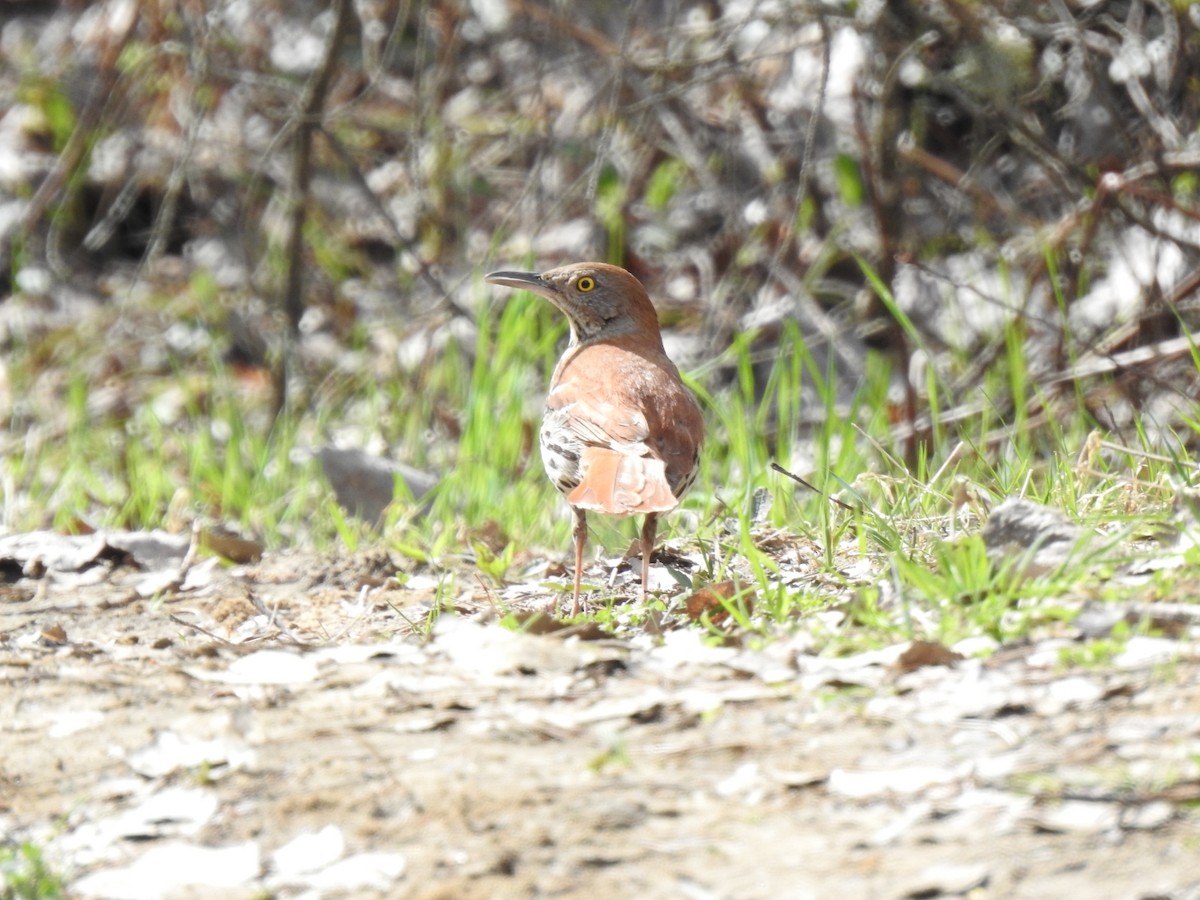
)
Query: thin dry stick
[
  {"x": 312, "y": 104},
  {"x": 1145, "y": 454},
  {"x": 568, "y": 25},
  {"x": 198, "y": 628},
  {"x": 407, "y": 244},
  {"x": 58, "y": 182},
  {"x": 272, "y": 617},
  {"x": 363, "y": 593},
  {"x": 196, "y": 109},
  {"x": 810, "y": 143},
  {"x": 792, "y": 475},
  {"x": 959, "y": 451}
]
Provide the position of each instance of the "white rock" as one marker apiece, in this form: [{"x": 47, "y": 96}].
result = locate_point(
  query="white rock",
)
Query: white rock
[
  {"x": 366, "y": 871},
  {"x": 168, "y": 868},
  {"x": 490, "y": 650},
  {"x": 1068, "y": 693},
  {"x": 1078, "y": 817},
  {"x": 908, "y": 780},
  {"x": 980, "y": 645},
  {"x": 686, "y": 646},
  {"x": 1143, "y": 652},
  {"x": 173, "y": 810},
  {"x": 69, "y": 721},
  {"x": 746, "y": 779},
  {"x": 171, "y": 751},
  {"x": 309, "y": 852},
  {"x": 1148, "y": 816},
  {"x": 263, "y": 667}
]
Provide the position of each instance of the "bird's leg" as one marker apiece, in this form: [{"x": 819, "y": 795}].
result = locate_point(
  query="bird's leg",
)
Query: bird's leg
[
  {"x": 649, "y": 527},
  {"x": 580, "y": 535}
]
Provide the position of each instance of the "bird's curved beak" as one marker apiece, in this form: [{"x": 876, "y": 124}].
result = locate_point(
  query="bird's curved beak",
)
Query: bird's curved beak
[{"x": 529, "y": 281}]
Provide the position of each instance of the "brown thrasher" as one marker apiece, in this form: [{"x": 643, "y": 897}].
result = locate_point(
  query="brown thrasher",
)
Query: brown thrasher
[{"x": 621, "y": 434}]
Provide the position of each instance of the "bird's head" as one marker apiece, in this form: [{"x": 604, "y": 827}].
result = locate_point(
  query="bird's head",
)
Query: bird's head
[{"x": 600, "y": 300}]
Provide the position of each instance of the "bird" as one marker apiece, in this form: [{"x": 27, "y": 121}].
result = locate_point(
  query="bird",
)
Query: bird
[{"x": 621, "y": 434}]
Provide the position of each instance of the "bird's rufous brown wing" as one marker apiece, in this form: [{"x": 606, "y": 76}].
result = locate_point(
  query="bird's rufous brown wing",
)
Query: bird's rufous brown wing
[{"x": 622, "y": 472}]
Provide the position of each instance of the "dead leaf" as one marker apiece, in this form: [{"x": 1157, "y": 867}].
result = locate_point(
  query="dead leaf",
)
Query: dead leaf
[
  {"x": 53, "y": 635},
  {"x": 491, "y": 535},
  {"x": 11, "y": 593},
  {"x": 230, "y": 546},
  {"x": 538, "y": 622},
  {"x": 925, "y": 653},
  {"x": 709, "y": 599}
]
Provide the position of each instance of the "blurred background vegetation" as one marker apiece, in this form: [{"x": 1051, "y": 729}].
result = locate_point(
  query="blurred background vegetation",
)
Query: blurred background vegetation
[{"x": 233, "y": 232}]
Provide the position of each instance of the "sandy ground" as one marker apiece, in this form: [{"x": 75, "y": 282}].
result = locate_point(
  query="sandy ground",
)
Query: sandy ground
[{"x": 277, "y": 730}]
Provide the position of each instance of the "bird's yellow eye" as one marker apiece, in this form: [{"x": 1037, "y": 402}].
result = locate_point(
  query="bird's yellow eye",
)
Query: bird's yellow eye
[{"x": 586, "y": 283}]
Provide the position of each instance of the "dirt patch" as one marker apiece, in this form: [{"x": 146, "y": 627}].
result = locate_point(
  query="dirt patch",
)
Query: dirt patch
[{"x": 485, "y": 763}]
